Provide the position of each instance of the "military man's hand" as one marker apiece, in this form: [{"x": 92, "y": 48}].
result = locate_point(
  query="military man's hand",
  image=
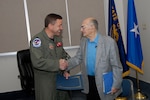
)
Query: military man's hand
[{"x": 63, "y": 64}]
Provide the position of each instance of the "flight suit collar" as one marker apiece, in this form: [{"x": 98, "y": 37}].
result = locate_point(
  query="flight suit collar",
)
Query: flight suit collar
[{"x": 45, "y": 35}]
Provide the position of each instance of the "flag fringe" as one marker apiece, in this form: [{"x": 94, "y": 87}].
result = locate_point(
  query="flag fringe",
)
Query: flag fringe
[
  {"x": 136, "y": 67},
  {"x": 126, "y": 73}
]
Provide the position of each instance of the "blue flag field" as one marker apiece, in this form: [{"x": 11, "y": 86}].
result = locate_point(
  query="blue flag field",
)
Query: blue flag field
[
  {"x": 115, "y": 32},
  {"x": 134, "y": 48}
]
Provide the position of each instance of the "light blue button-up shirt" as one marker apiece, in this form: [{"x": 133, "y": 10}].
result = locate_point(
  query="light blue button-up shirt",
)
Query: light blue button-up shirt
[{"x": 91, "y": 55}]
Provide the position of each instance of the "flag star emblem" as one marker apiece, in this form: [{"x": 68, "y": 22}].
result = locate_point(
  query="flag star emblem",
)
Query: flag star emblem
[{"x": 135, "y": 30}]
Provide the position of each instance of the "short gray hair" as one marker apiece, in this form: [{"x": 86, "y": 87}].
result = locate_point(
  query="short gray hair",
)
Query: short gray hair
[{"x": 95, "y": 23}]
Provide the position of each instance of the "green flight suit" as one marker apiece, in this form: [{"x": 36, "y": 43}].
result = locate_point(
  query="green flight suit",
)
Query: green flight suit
[{"x": 45, "y": 55}]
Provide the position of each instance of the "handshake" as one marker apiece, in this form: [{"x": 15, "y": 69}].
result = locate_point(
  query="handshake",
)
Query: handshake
[{"x": 63, "y": 64}]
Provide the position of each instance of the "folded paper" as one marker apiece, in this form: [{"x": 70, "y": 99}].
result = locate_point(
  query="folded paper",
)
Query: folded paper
[
  {"x": 72, "y": 83},
  {"x": 107, "y": 82}
]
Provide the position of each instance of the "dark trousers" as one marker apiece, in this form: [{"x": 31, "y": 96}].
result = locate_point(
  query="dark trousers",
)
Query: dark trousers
[
  {"x": 78, "y": 95},
  {"x": 93, "y": 93}
]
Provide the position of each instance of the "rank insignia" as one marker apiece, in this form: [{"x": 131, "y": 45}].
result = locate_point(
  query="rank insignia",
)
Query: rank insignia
[
  {"x": 36, "y": 42},
  {"x": 51, "y": 46}
]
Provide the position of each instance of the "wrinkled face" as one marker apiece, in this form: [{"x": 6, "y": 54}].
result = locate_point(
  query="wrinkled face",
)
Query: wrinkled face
[
  {"x": 57, "y": 27},
  {"x": 86, "y": 28}
]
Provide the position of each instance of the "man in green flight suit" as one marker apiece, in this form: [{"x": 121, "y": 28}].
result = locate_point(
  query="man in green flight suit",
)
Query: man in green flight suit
[{"x": 47, "y": 56}]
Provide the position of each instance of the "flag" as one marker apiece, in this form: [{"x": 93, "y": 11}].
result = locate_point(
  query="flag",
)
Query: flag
[
  {"x": 134, "y": 49},
  {"x": 115, "y": 32}
]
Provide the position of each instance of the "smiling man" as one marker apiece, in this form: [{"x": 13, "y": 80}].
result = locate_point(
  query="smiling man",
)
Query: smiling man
[{"x": 47, "y": 56}]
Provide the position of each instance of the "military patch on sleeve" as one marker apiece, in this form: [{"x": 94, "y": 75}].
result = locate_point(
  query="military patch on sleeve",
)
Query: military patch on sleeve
[{"x": 36, "y": 42}]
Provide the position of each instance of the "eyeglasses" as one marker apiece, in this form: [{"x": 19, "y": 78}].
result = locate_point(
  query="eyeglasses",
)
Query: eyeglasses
[{"x": 84, "y": 27}]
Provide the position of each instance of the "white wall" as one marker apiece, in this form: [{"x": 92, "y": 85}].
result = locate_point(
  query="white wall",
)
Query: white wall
[
  {"x": 9, "y": 74},
  {"x": 8, "y": 64}
]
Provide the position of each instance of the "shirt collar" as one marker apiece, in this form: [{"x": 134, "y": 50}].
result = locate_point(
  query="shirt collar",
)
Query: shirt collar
[{"x": 96, "y": 38}]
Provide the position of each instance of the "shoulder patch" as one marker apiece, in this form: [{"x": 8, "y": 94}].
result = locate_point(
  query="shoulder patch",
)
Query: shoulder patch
[{"x": 36, "y": 42}]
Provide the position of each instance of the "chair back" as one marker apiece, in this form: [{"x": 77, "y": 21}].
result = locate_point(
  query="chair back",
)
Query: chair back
[
  {"x": 25, "y": 70},
  {"x": 127, "y": 89}
]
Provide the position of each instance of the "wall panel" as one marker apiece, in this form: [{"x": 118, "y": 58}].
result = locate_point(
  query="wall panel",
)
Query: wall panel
[
  {"x": 13, "y": 35},
  {"x": 81, "y": 9},
  {"x": 38, "y": 11},
  {"x": 13, "y": 27}
]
